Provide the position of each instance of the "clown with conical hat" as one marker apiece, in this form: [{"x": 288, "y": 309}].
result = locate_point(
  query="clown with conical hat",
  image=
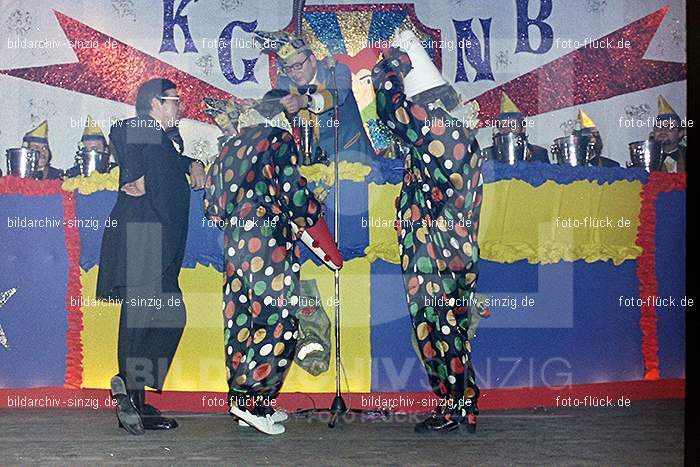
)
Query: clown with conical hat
[
  {"x": 309, "y": 97},
  {"x": 669, "y": 131},
  {"x": 442, "y": 182},
  {"x": 587, "y": 127},
  {"x": 512, "y": 120},
  {"x": 37, "y": 139}
]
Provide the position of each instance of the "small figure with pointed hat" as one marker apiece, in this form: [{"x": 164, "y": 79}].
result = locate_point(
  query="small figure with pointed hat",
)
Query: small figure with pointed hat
[
  {"x": 512, "y": 120},
  {"x": 38, "y": 140},
  {"x": 93, "y": 139},
  {"x": 586, "y": 127},
  {"x": 669, "y": 132},
  {"x": 312, "y": 88}
]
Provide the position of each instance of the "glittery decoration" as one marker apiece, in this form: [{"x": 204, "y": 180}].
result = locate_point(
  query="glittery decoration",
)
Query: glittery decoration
[
  {"x": 230, "y": 5},
  {"x": 384, "y": 20},
  {"x": 4, "y": 297},
  {"x": 354, "y": 27},
  {"x": 40, "y": 110},
  {"x": 205, "y": 63},
  {"x": 589, "y": 74},
  {"x": 203, "y": 150},
  {"x": 640, "y": 112},
  {"x": 115, "y": 72},
  {"x": 19, "y": 22},
  {"x": 385, "y": 23},
  {"x": 124, "y": 8},
  {"x": 326, "y": 28},
  {"x": 317, "y": 47},
  {"x": 503, "y": 60},
  {"x": 596, "y": 6},
  {"x": 379, "y": 134}
]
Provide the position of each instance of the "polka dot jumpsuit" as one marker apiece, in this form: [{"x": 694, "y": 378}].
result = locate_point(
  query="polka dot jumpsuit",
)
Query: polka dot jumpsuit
[
  {"x": 255, "y": 191},
  {"x": 437, "y": 218}
]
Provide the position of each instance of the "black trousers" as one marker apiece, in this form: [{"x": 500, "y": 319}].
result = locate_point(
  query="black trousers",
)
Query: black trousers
[{"x": 151, "y": 323}]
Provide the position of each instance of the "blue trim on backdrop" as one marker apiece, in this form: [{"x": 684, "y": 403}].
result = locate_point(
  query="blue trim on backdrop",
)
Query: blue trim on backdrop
[{"x": 535, "y": 173}]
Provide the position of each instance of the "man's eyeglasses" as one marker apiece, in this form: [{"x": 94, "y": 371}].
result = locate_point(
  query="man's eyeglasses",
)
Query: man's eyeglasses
[
  {"x": 295, "y": 67},
  {"x": 171, "y": 98}
]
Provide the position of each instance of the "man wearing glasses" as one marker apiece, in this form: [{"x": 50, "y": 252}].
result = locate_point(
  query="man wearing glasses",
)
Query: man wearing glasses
[
  {"x": 142, "y": 254},
  {"x": 312, "y": 94}
]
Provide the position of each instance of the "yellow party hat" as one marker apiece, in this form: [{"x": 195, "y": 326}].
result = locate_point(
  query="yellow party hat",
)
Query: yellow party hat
[
  {"x": 508, "y": 108},
  {"x": 92, "y": 131},
  {"x": 586, "y": 123},
  {"x": 665, "y": 109},
  {"x": 40, "y": 134}
]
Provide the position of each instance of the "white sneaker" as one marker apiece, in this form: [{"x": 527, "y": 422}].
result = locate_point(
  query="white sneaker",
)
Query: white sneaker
[
  {"x": 263, "y": 424},
  {"x": 278, "y": 416}
]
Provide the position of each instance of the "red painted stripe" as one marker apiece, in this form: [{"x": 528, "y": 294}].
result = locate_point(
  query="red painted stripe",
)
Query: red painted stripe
[
  {"x": 74, "y": 343},
  {"x": 658, "y": 182}
]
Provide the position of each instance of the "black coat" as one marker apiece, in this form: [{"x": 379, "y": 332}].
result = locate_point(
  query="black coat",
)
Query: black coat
[
  {"x": 600, "y": 161},
  {"x": 53, "y": 174},
  {"x": 147, "y": 245}
]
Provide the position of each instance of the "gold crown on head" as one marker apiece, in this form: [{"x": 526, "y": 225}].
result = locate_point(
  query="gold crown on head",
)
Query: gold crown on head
[{"x": 283, "y": 44}]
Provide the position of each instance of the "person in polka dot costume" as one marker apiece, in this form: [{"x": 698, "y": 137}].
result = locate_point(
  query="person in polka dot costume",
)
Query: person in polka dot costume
[
  {"x": 255, "y": 192},
  {"x": 437, "y": 222}
]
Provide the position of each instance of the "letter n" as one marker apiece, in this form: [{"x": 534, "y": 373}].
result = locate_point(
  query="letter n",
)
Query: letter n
[{"x": 467, "y": 38}]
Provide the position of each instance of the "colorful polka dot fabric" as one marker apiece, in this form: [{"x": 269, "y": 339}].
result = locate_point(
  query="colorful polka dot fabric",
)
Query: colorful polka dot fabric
[
  {"x": 254, "y": 191},
  {"x": 438, "y": 220}
]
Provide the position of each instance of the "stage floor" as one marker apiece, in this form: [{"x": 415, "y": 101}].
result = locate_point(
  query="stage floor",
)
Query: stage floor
[{"x": 646, "y": 432}]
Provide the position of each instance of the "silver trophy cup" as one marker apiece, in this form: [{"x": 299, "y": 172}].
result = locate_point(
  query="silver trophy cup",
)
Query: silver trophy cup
[
  {"x": 89, "y": 161},
  {"x": 21, "y": 162},
  {"x": 574, "y": 150},
  {"x": 645, "y": 155},
  {"x": 510, "y": 147}
]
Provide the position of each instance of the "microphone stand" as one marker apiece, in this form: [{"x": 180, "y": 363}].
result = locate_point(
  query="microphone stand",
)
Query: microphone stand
[{"x": 338, "y": 406}]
